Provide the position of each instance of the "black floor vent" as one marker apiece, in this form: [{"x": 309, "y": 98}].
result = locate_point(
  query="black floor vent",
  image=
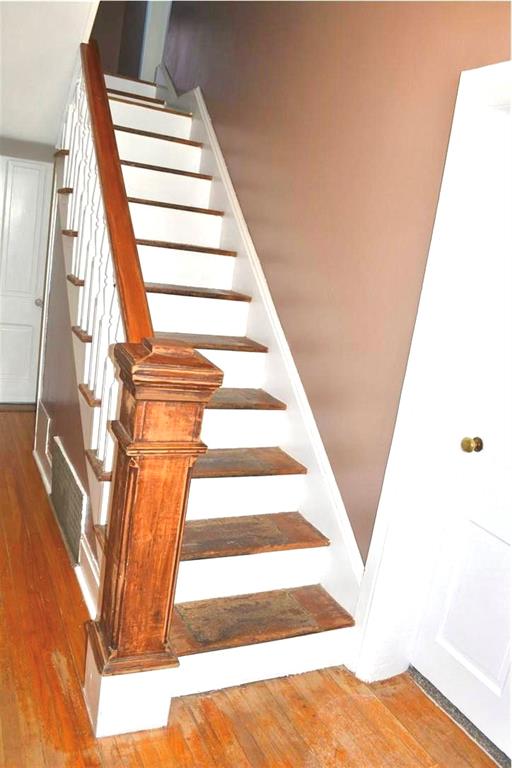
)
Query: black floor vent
[{"x": 68, "y": 498}]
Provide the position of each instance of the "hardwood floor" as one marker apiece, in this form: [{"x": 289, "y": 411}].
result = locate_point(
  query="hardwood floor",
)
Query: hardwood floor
[{"x": 318, "y": 720}]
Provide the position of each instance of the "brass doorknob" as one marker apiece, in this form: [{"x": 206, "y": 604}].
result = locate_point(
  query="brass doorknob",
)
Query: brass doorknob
[{"x": 470, "y": 444}]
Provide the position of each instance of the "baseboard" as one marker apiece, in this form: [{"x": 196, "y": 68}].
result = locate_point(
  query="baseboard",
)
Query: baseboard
[
  {"x": 47, "y": 481},
  {"x": 88, "y": 576}
]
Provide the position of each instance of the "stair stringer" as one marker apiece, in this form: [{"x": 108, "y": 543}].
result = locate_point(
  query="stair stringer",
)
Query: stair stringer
[{"x": 322, "y": 504}]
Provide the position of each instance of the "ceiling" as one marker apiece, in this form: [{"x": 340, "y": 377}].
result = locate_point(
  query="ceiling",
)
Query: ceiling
[{"x": 39, "y": 46}]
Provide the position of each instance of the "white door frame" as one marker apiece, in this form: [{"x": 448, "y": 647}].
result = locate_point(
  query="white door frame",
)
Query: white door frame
[{"x": 397, "y": 574}]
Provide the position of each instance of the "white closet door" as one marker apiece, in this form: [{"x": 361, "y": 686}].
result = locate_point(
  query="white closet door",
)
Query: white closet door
[
  {"x": 463, "y": 644},
  {"x": 25, "y": 193}
]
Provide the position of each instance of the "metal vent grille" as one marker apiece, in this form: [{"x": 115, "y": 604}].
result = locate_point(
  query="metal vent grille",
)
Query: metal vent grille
[{"x": 68, "y": 498}]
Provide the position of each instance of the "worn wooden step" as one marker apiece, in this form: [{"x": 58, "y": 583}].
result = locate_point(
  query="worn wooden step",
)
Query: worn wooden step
[
  {"x": 225, "y": 398},
  {"x": 245, "y": 399},
  {"x": 185, "y": 247},
  {"x": 246, "y": 462},
  {"x": 162, "y": 136},
  {"x": 196, "y": 292},
  {"x": 207, "y": 341},
  {"x": 248, "y": 535},
  {"x": 84, "y": 337},
  {"x": 163, "y": 169},
  {"x": 130, "y": 95},
  {"x": 229, "y": 622},
  {"x": 168, "y": 110},
  {"x": 175, "y": 206},
  {"x": 244, "y": 535}
]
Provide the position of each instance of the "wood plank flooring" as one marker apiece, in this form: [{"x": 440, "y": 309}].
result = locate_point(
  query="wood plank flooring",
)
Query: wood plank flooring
[{"x": 324, "y": 719}]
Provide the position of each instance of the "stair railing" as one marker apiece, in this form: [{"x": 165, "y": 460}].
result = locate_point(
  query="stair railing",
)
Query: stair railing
[{"x": 151, "y": 393}]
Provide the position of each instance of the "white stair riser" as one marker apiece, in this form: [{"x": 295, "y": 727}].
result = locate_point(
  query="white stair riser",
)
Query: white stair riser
[
  {"x": 169, "y": 154},
  {"x": 149, "y": 119},
  {"x": 228, "y": 496},
  {"x": 188, "y": 314},
  {"x": 88, "y": 417},
  {"x": 241, "y": 369},
  {"x": 152, "y": 222},
  {"x": 73, "y": 296},
  {"x": 63, "y": 205},
  {"x": 239, "y": 428},
  {"x": 225, "y": 576},
  {"x": 167, "y": 265},
  {"x": 80, "y": 353},
  {"x": 99, "y": 494},
  {"x": 68, "y": 243},
  {"x": 166, "y": 187},
  {"x": 130, "y": 86},
  {"x": 262, "y": 661}
]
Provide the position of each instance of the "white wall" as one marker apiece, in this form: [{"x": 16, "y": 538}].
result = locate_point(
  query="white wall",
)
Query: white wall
[
  {"x": 157, "y": 18},
  {"x": 40, "y": 43}
]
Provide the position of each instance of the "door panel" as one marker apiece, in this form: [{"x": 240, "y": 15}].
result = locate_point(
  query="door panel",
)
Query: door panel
[
  {"x": 25, "y": 195},
  {"x": 463, "y": 642}
]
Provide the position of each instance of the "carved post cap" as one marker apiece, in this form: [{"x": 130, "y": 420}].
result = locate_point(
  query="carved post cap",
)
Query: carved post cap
[{"x": 157, "y": 369}]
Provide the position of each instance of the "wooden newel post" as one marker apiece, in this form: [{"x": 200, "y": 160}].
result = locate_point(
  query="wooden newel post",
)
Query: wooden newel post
[{"x": 165, "y": 390}]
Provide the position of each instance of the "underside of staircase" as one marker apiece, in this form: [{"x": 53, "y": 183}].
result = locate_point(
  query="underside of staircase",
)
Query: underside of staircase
[{"x": 253, "y": 555}]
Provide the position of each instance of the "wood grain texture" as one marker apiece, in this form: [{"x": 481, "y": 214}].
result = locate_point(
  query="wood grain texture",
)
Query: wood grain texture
[
  {"x": 248, "y": 535},
  {"x": 164, "y": 391},
  {"x": 205, "y": 341},
  {"x": 185, "y": 247},
  {"x": 128, "y": 94},
  {"x": 84, "y": 337},
  {"x": 153, "y": 135},
  {"x": 196, "y": 292},
  {"x": 245, "y": 398},
  {"x": 77, "y": 281},
  {"x": 175, "y": 206},
  {"x": 130, "y": 286},
  {"x": 246, "y": 462},
  {"x": 316, "y": 720},
  {"x": 97, "y": 466},
  {"x": 88, "y": 396},
  {"x": 164, "y": 169},
  {"x": 228, "y": 622}
]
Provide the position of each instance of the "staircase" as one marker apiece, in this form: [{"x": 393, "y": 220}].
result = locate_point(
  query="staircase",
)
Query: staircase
[{"x": 269, "y": 570}]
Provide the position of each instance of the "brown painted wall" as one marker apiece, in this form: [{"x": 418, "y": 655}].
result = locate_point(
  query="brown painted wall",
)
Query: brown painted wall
[
  {"x": 59, "y": 391},
  {"x": 334, "y": 120},
  {"x": 119, "y": 31}
]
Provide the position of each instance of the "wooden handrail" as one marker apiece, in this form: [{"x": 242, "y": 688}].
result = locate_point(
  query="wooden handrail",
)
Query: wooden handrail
[{"x": 130, "y": 284}]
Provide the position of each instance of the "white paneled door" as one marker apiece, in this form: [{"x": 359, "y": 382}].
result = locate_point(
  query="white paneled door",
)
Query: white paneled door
[
  {"x": 463, "y": 643},
  {"x": 25, "y": 193}
]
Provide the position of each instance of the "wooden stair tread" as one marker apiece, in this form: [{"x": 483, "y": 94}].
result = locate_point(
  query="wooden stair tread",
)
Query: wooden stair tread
[
  {"x": 97, "y": 466},
  {"x": 246, "y": 462},
  {"x": 151, "y": 99},
  {"x": 225, "y": 398},
  {"x": 131, "y": 79},
  {"x": 163, "y": 169},
  {"x": 196, "y": 292},
  {"x": 242, "y": 535},
  {"x": 175, "y": 206},
  {"x": 101, "y": 535},
  {"x": 207, "y": 341},
  {"x": 230, "y": 622},
  {"x": 248, "y": 535},
  {"x": 153, "y": 135},
  {"x": 185, "y": 247},
  {"x": 81, "y": 334},
  {"x": 168, "y": 110},
  {"x": 245, "y": 398}
]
